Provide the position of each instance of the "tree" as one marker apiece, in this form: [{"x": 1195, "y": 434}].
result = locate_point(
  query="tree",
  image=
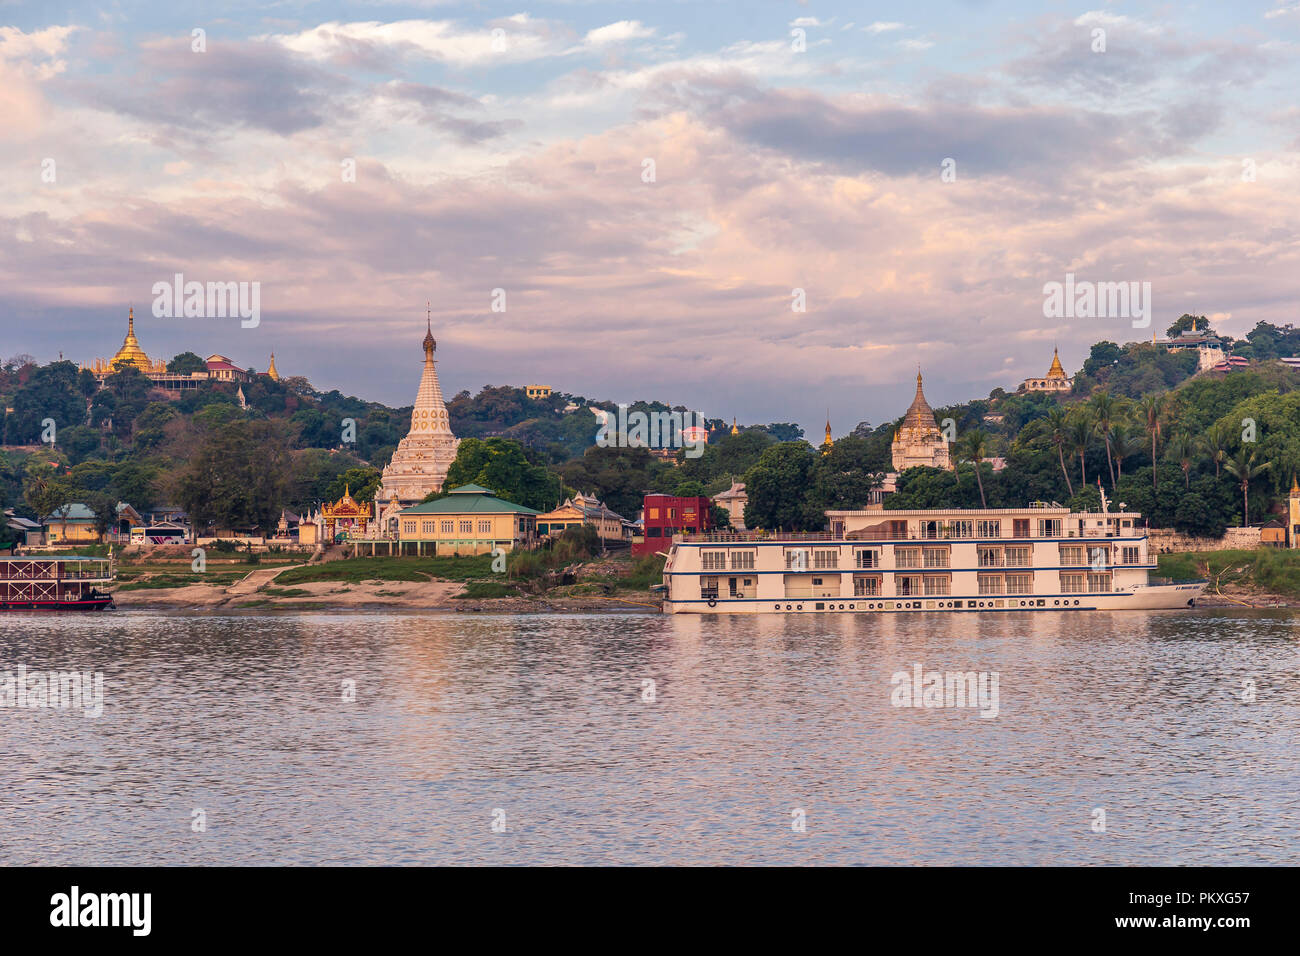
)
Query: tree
[
  {"x": 1058, "y": 426},
  {"x": 1186, "y": 322},
  {"x": 45, "y": 490},
  {"x": 503, "y": 467},
  {"x": 1126, "y": 445},
  {"x": 1104, "y": 410},
  {"x": 1244, "y": 469},
  {"x": 238, "y": 473},
  {"x": 777, "y": 488},
  {"x": 973, "y": 447},
  {"x": 844, "y": 478},
  {"x": 1153, "y": 410},
  {"x": 1218, "y": 438},
  {"x": 361, "y": 482},
  {"x": 1080, "y": 434},
  {"x": 186, "y": 363},
  {"x": 1181, "y": 450}
]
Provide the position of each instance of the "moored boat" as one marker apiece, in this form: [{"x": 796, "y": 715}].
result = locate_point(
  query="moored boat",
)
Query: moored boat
[
  {"x": 1037, "y": 558},
  {"x": 55, "y": 583}
]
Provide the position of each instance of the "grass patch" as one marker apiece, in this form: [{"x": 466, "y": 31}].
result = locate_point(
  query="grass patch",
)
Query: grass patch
[
  {"x": 646, "y": 571},
  {"x": 488, "y": 589},
  {"x": 356, "y": 570},
  {"x": 285, "y": 592},
  {"x": 1275, "y": 570},
  {"x": 141, "y": 583}
]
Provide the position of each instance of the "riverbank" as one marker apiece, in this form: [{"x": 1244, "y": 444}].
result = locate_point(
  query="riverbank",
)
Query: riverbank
[{"x": 1263, "y": 577}]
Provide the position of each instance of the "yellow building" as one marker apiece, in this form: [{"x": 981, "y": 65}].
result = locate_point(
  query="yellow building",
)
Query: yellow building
[
  {"x": 72, "y": 524},
  {"x": 918, "y": 441},
  {"x": 469, "y": 520},
  {"x": 537, "y": 391},
  {"x": 1054, "y": 381},
  {"x": 578, "y": 510}
]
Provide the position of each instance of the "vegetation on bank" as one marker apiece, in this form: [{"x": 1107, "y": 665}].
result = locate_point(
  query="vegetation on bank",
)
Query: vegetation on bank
[
  {"x": 1271, "y": 570},
  {"x": 1193, "y": 452}
]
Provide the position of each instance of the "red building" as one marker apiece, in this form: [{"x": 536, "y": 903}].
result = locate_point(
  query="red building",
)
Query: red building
[{"x": 665, "y": 516}]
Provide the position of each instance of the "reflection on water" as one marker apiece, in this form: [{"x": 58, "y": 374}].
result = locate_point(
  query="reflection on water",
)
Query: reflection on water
[{"x": 543, "y": 717}]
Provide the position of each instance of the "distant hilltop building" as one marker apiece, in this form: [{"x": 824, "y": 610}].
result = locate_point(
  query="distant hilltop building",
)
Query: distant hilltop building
[
  {"x": 419, "y": 465},
  {"x": 537, "y": 391},
  {"x": 1209, "y": 348},
  {"x": 1054, "y": 381},
  {"x": 217, "y": 368},
  {"x": 918, "y": 441}
]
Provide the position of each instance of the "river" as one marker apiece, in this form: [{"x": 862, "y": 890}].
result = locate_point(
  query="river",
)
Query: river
[{"x": 225, "y": 738}]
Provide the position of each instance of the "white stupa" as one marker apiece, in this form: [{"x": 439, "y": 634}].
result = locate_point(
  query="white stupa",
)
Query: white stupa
[{"x": 420, "y": 463}]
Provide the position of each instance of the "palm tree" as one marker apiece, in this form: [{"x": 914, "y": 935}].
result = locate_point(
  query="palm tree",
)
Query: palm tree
[
  {"x": 1182, "y": 449},
  {"x": 1080, "y": 437},
  {"x": 1104, "y": 408},
  {"x": 1126, "y": 445},
  {"x": 1153, "y": 410},
  {"x": 974, "y": 448},
  {"x": 1243, "y": 468},
  {"x": 1058, "y": 424},
  {"x": 1217, "y": 439}
]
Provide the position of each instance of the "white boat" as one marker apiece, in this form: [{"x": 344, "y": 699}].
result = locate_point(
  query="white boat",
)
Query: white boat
[{"x": 1040, "y": 558}]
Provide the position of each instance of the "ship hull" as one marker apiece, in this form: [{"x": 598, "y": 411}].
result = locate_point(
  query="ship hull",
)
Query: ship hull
[
  {"x": 1163, "y": 597},
  {"x": 88, "y": 604}
]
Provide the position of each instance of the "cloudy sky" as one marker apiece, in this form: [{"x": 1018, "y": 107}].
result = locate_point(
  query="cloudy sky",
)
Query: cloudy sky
[{"x": 505, "y": 146}]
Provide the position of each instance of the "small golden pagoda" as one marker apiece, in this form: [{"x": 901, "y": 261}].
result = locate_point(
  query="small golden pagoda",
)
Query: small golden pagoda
[
  {"x": 830, "y": 442},
  {"x": 271, "y": 370},
  {"x": 129, "y": 354},
  {"x": 734, "y": 429},
  {"x": 1055, "y": 381}
]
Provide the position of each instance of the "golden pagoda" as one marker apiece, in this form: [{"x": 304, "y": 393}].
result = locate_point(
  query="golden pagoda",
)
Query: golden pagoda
[
  {"x": 734, "y": 429},
  {"x": 1055, "y": 381},
  {"x": 271, "y": 370},
  {"x": 830, "y": 442},
  {"x": 129, "y": 354}
]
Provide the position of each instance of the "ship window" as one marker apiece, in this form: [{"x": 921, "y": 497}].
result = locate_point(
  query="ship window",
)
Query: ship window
[
  {"x": 742, "y": 560},
  {"x": 866, "y": 558},
  {"x": 713, "y": 560}
]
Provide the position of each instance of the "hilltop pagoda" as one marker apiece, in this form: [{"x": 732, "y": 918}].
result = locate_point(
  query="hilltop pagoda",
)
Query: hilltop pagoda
[{"x": 918, "y": 440}]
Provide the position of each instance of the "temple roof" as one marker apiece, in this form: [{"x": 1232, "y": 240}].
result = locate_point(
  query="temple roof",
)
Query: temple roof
[
  {"x": 1056, "y": 371},
  {"x": 468, "y": 498},
  {"x": 920, "y": 414}
]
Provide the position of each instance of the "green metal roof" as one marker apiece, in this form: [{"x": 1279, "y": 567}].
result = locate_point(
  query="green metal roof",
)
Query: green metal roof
[{"x": 468, "y": 499}]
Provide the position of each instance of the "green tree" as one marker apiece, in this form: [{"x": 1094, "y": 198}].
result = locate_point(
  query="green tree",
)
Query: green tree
[
  {"x": 1181, "y": 451},
  {"x": 1104, "y": 410},
  {"x": 778, "y": 486},
  {"x": 186, "y": 363},
  {"x": 973, "y": 447},
  {"x": 503, "y": 466},
  {"x": 1058, "y": 427},
  {"x": 1244, "y": 468},
  {"x": 1152, "y": 410}
]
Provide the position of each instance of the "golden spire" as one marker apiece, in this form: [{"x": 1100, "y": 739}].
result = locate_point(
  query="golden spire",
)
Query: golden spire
[
  {"x": 1295, "y": 485},
  {"x": 130, "y": 353},
  {"x": 1056, "y": 371},
  {"x": 734, "y": 429},
  {"x": 430, "y": 343},
  {"x": 829, "y": 441},
  {"x": 271, "y": 370}
]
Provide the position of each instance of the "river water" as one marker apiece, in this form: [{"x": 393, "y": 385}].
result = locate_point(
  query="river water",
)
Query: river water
[{"x": 500, "y": 739}]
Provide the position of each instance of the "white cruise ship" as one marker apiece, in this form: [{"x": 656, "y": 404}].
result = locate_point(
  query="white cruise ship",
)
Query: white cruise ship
[{"x": 1039, "y": 558}]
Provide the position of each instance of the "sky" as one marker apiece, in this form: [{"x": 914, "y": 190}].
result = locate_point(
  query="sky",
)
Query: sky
[{"x": 648, "y": 183}]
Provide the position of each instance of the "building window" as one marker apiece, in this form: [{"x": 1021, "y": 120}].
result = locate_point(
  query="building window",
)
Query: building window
[
  {"x": 1017, "y": 557},
  {"x": 963, "y": 528},
  {"x": 448, "y": 527},
  {"x": 426, "y": 527},
  {"x": 654, "y": 513},
  {"x": 907, "y": 584},
  {"x": 408, "y": 527},
  {"x": 796, "y": 559},
  {"x": 742, "y": 560},
  {"x": 1020, "y": 584},
  {"x": 739, "y": 587},
  {"x": 990, "y": 557},
  {"x": 1049, "y": 527},
  {"x": 709, "y": 587},
  {"x": 866, "y": 585},
  {"x": 1131, "y": 555},
  {"x": 713, "y": 560},
  {"x": 484, "y": 525},
  {"x": 937, "y": 584},
  {"x": 1098, "y": 582},
  {"x": 990, "y": 584},
  {"x": 935, "y": 557},
  {"x": 1072, "y": 583},
  {"x": 1098, "y": 557},
  {"x": 466, "y": 526},
  {"x": 1073, "y": 555},
  {"x": 907, "y": 557},
  {"x": 866, "y": 558},
  {"x": 825, "y": 559},
  {"x": 1020, "y": 527},
  {"x": 988, "y": 528}
]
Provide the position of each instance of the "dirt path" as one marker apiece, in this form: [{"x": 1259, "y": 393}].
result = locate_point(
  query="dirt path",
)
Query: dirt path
[{"x": 255, "y": 580}]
